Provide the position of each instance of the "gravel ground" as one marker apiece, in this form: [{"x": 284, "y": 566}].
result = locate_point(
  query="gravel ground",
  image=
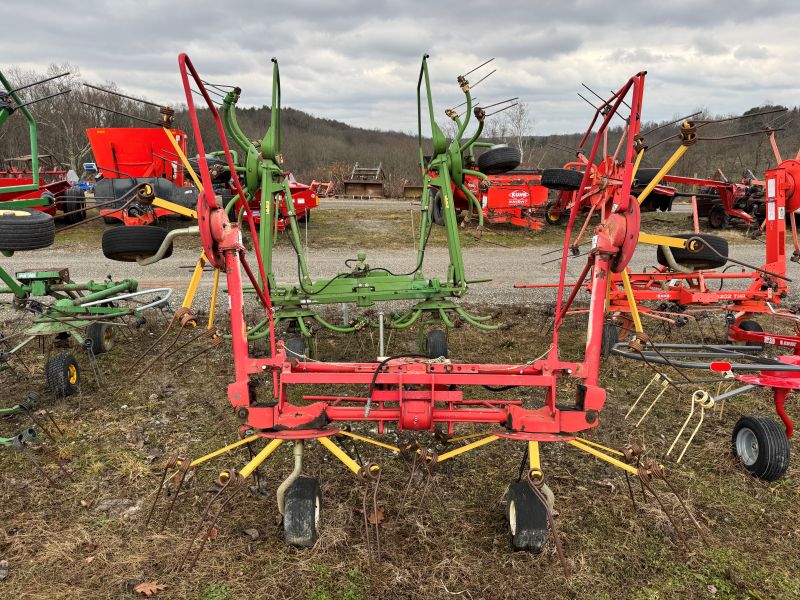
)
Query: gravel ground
[{"x": 505, "y": 267}]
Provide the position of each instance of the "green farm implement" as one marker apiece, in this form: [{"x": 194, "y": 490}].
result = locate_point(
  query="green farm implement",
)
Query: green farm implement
[{"x": 266, "y": 186}]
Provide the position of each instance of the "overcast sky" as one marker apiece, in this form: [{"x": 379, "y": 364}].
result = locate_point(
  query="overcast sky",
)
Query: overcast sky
[{"x": 358, "y": 61}]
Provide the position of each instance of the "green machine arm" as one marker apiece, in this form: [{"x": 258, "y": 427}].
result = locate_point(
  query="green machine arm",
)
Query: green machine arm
[{"x": 10, "y": 102}]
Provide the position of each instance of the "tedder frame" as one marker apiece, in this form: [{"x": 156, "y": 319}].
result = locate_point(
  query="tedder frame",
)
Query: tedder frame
[{"x": 300, "y": 400}]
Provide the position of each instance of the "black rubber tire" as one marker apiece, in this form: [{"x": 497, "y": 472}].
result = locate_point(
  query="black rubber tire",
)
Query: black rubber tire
[
  {"x": 551, "y": 215},
  {"x": 610, "y": 337},
  {"x": 126, "y": 244},
  {"x": 526, "y": 517},
  {"x": 437, "y": 209},
  {"x": 63, "y": 374},
  {"x": 565, "y": 180},
  {"x": 645, "y": 176},
  {"x": 750, "y": 325},
  {"x": 73, "y": 199},
  {"x": 296, "y": 347},
  {"x": 225, "y": 196},
  {"x": 218, "y": 175},
  {"x": 768, "y": 444},
  {"x": 101, "y": 336},
  {"x": 499, "y": 159},
  {"x": 23, "y": 229},
  {"x": 436, "y": 344},
  {"x": 302, "y": 512},
  {"x": 717, "y": 217},
  {"x": 702, "y": 256}
]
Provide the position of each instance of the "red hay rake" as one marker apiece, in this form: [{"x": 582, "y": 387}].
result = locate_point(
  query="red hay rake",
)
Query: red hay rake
[{"x": 411, "y": 392}]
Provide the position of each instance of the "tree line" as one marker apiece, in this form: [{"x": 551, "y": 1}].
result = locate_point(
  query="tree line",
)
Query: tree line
[{"x": 326, "y": 150}]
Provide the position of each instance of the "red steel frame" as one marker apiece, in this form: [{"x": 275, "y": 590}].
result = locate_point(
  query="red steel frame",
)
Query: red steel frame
[
  {"x": 432, "y": 401},
  {"x": 506, "y": 198}
]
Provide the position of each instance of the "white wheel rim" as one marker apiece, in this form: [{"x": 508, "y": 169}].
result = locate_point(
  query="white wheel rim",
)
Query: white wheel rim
[
  {"x": 317, "y": 510},
  {"x": 747, "y": 446},
  {"x": 512, "y": 517}
]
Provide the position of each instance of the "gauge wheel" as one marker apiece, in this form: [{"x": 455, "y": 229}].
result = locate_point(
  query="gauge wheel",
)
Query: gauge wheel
[
  {"x": 761, "y": 445},
  {"x": 302, "y": 512},
  {"x": 101, "y": 335},
  {"x": 526, "y": 516},
  {"x": 63, "y": 374}
]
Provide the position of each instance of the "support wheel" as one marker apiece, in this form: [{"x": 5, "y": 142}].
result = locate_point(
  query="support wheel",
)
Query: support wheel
[
  {"x": 610, "y": 337},
  {"x": 753, "y": 326},
  {"x": 526, "y": 517},
  {"x": 436, "y": 344},
  {"x": 63, "y": 374},
  {"x": 102, "y": 337},
  {"x": 296, "y": 347},
  {"x": 437, "y": 209},
  {"x": 761, "y": 445},
  {"x": 73, "y": 200},
  {"x": 126, "y": 244},
  {"x": 567, "y": 180},
  {"x": 23, "y": 229},
  {"x": 706, "y": 252},
  {"x": 717, "y": 217},
  {"x": 302, "y": 512},
  {"x": 552, "y": 213}
]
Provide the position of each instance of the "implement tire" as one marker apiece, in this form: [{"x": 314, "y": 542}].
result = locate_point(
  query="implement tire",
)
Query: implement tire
[{"x": 24, "y": 229}]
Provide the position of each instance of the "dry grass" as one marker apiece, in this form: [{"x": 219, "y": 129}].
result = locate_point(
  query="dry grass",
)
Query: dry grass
[{"x": 450, "y": 543}]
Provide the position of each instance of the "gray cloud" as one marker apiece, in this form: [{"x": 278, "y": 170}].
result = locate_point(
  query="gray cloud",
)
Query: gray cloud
[{"x": 358, "y": 61}]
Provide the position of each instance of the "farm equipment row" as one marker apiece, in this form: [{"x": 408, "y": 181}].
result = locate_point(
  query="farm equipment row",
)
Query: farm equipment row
[{"x": 286, "y": 395}]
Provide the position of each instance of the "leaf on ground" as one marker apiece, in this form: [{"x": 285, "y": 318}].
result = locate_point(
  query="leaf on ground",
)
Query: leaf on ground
[
  {"x": 376, "y": 517},
  {"x": 149, "y": 588},
  {"x": 212, "y": 535}
]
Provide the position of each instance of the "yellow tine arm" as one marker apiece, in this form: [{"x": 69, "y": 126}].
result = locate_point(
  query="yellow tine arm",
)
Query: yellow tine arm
[
  {"x": 661, "y": 240},
  {"x": 634, "y": 309},
  {"x": 596, "y": 445},
  {"x": 467, "y": 448},
  {"x": 533, "y": 457},
  {"x": 176, "y": 208},
  {"x": 468, "y": 436},
  {"x": 637, "y": 163},
  {"x": 343, "y": 456},
  {"x": 183, "y": 158},
  {"x": 664, "y": 170},
  {"x": 188, "y": 298},
  {"x": 260, "y": 457},
  {"x": 213, "y": 304},
  {"x": 223, "y": 450},
  {"x": 355, "y": 436},
  {"x": 609, "y": 459}
]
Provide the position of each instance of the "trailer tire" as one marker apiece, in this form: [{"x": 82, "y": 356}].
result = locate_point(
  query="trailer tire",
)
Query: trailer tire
[
  {"x": 63, "y": 374},
  {"x": 296, "y": 347},
  {"x": 302, "y": 512},
  {"x": 101, "y": 335},
  {"x": 436, "y": 344},
  {"x": 610, "y": 337},
  {"x": 754, "y": 326},
  {"x": 645, "y": 176},
  {"x": 499, "y": 159},
  {"x": 526, "y": 517},
  {"x": 761, "y": 445},
  {"x": 700, "y": 257},
  {"x": 437, "y": 209},
  {"x": 717, "y": 217},
  {"x": 565, "y": 180},
  {"x": 23, "y": 229},
  {"x": 552, "y": 214},
  {"x": 126, "y": 244},
  {"x": 73, "y": 199}
]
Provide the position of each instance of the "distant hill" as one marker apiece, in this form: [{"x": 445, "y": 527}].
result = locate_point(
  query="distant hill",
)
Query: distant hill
[{"x": 324, "y": 149}]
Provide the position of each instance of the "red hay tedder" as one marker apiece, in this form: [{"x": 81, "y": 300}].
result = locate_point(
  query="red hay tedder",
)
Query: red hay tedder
[{"x": 279, "y": 398}]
